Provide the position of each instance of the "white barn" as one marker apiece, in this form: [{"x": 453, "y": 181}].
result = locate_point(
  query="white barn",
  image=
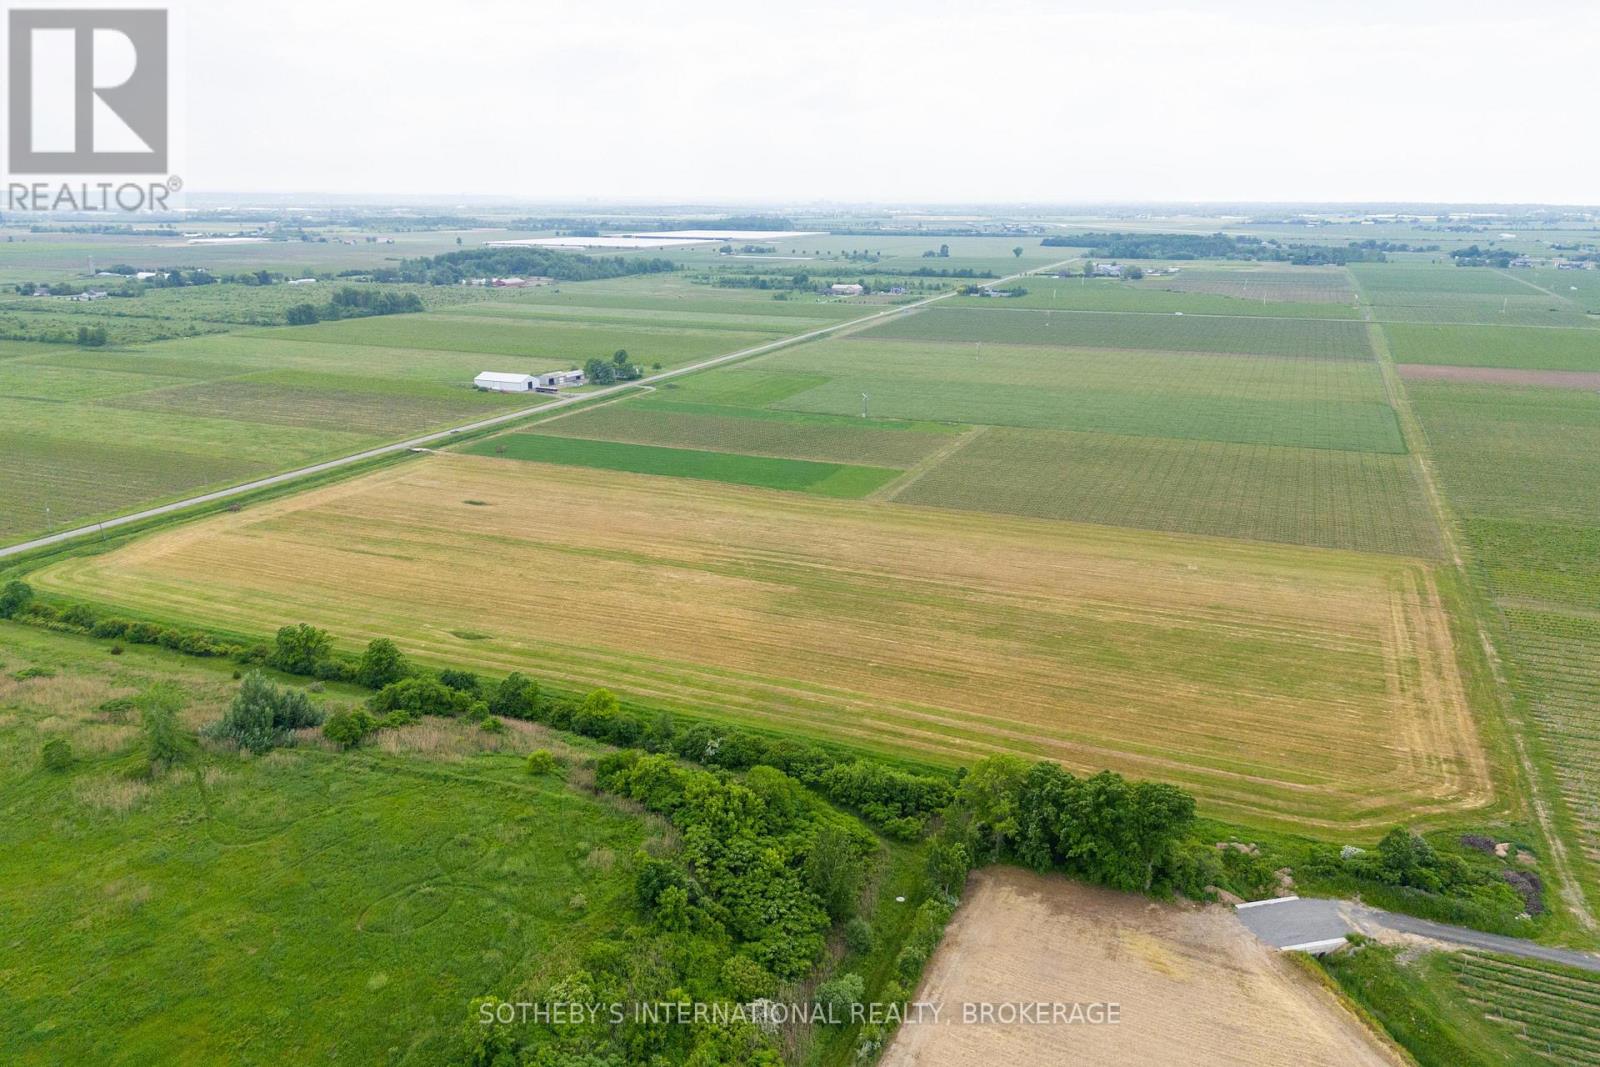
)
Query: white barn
[{"x": 496, "y": 382}]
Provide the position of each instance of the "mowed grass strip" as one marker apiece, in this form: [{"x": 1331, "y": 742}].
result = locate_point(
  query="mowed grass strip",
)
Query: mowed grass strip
[
  {"x": 1331, "y": 338},
  {"x": 768, "y": 472},
  {"x": 1285, "y": 686}
]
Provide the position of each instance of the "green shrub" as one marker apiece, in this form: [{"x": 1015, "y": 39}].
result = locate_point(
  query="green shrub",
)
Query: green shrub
[
  {"x": 516, "y": 697},
  {"x": 298, "y": 649},
  {"x": 858, "y": 936},
  {"x": 746, "y": 979},
  {"x": 347, "y": 729},
  {"x": 116, "y": 709},
  {"x": 32, "y": 672},
  {"x": 15, "y": 596},
  {"x": 56, "y": 754},
  {"x": 420, "y": 696},
  {"x": 263, "y": 713},
  {"x": 491, "y": 725},
  {"x": 464, "y": 681},
  {"x": 110, "y": 628},
  {"x": 381, "y": 663},
  {"x": 166, "y": 745},
  {"x": 839, "y": 997},
  {"x": 542, "y": 761},
  {"x": 80, "y": 616}
]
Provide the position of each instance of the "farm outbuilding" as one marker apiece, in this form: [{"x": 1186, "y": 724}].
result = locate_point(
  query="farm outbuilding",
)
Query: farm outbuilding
[
  {"x": 558, "y": 378},
  {"x": 846, "y": 289},
  {"x": 494, "y": 381}
]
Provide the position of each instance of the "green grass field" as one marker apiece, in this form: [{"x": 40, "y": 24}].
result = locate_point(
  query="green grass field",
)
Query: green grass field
[
  {"x": 300, "y": 907},
  {"x": 793, "y": 475}
]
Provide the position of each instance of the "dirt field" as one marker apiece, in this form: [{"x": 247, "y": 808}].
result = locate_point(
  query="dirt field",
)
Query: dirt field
[
  {"x": 1554, "y": 379},
  {"x": 1191, "y": 986},
  {"x": 1283, "y": 685}
]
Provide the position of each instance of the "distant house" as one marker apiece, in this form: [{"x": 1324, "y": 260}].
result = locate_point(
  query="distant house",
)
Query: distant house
[
  {"x": 509, "y": 283},
  {"x": 92, "y": 294},
  {"x": 496, "y": 382},
  {"x": 558, "y": 379},
  {"x": 302, "y": 281},
  {"x": 849, "y": 289},
  {"x": 1107, "y": 270}
]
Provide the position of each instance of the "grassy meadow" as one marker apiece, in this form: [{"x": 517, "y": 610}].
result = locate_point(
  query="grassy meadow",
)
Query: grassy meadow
[{"x": 305, "y": 905}]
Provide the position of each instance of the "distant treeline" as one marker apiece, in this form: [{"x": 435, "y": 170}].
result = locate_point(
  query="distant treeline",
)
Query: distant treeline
[
  {"x": 1222, "y": 246},
  {"x": 454, "y": 267},
  {"x": 352, "y": 303}
]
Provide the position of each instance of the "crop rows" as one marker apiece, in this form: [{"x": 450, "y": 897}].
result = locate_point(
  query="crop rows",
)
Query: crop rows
[
  {"x": 1354, "y": 500},
  {"x": 1552, "y": 1010},
  {"x": 1527, "y": 347},
  {"x": 1327, "y": 339},
  {"x": 1309, "y": 286},
  {"x": 1558, "y": 660}
]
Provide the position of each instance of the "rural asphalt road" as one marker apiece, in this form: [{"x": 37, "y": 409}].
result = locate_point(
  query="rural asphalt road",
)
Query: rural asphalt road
[
  {"x": 1316, "y": 925},
  {"x": 482, "y": 424}
]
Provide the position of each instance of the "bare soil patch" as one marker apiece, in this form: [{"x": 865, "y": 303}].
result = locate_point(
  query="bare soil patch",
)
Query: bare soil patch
[{"x": 1191, "y": 984}]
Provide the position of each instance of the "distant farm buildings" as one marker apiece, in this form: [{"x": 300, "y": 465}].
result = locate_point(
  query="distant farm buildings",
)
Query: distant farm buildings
[
  {"x": 548, "y": 382},
  {"x": 1107, "y": 270},
  {"x": 847, "y": 289},
  {"x": 496, "y": 382},
  {"x": 558, "y": 379}
]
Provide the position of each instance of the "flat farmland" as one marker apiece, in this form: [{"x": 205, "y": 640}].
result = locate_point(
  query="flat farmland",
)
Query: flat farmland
[
  {"x": 1296, "y": 285},
  {"x": 1520, "y": 347},
  {"x": 1152, "y": 296},
  {"x": 532, "y": 344},
  {"x": 756, "y": 431},
  {"x": 1366, "y": 501},
  {"x": 1517, "y": 463},
  {"x": 1330, "y": 339},
  {"x": 89, "y": 432},
  {"x": 1192, "y": 985},
  {"x": 891, "y": 627},
  {"x": 1322, "y": 403},
  {"x": 795, "y": 475}
]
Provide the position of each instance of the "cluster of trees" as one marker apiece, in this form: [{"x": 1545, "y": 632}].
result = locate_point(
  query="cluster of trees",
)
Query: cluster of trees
[
  {"x": 17, "y": 601},
  {"x": 263, "y": 715},
  {"x": 452, "y": 268},
  {"x": 1129, "y": 835},
  {"x": 1184, "y": 246},
  {"x": 942, "y": 253},
  {"x": 348, "y": 302},
  {"x": 619, "y": 368},
  {"x": 91, "y": 336},
  {"x": 1473, "y": 256}
]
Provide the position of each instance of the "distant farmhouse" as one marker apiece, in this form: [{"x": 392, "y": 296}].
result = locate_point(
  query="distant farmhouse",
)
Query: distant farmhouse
[
  {"x": 549, "y": 382},
  {"x": 849, "y": 289},
  {"x": 496, "y": 382},
  {"x": 1107, "y": 270}
]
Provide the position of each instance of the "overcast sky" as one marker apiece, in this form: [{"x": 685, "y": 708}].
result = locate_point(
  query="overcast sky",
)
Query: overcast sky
[{"x": 936, "y": 102}]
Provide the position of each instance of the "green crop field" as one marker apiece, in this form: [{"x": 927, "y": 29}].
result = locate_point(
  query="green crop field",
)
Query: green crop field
[
  {"x": 1332, "y": 339},
  {"x": 1155, "y": 296},
  {"x": 1521, "y": 347},
  {"x": 795, "y": 475},
  {"x": 1358, "y": 500},
  {"x": 1517, "y": 464},
  {"x": 757, "y": 431},
  {"x": 1551, "y": 1010}
]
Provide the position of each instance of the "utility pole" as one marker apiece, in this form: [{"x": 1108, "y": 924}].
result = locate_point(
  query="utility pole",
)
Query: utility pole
[{"x": 864, "y": 399}]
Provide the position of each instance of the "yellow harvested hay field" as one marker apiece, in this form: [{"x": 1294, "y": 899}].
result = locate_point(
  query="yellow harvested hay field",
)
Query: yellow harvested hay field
[
  {"x": 1281, "y": 684},
  {"x": 1190, "y": 985}
]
